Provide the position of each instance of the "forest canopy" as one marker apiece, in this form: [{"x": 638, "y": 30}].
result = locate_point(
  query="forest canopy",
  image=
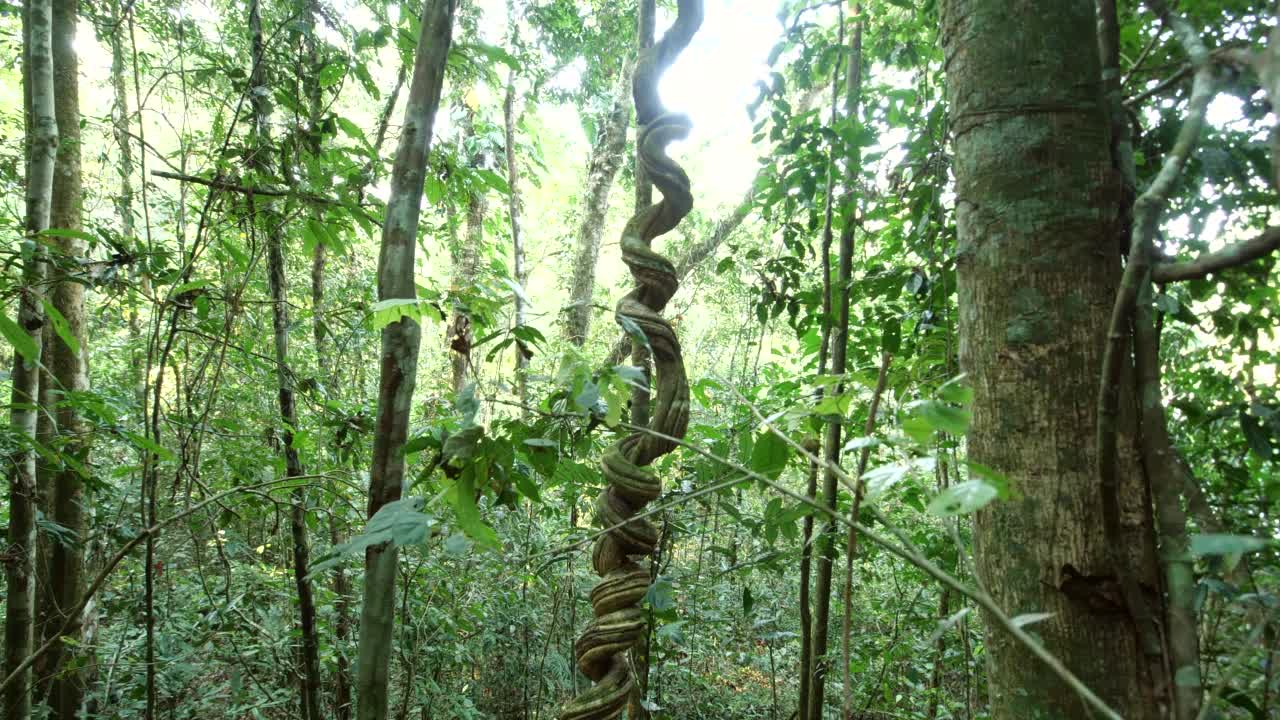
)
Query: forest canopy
[{"x": 699, "y": 359}]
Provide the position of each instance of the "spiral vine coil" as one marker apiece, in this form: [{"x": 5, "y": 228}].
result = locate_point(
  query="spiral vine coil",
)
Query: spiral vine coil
[{"x": 619, "y": 621}]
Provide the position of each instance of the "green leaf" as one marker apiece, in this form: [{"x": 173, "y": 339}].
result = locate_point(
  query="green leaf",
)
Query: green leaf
[
  {"x": 944, "y": 417},
  {"x": 24, "y": 344},
  {"x": 1221, "y": 544},
  {"x": 672, "y": 632},
  {"x": 633, "y": 376},
  {"x": 661, "y": 594},
  {"x": 956, "y": 391},
  {"x": 61, "y": 327},
  {"x": 884, "y": 477},
  {"x": 146, "y": 443},
  {"x": 462, "y": 445},
  {"x": 467, "y": 404},
  {"x": 386, "y": 312},
  {"x": 526, "y": 485},
  {"x": 457, "y": 544},
  {"x": 748, "y": 601},
  {"x": 587, "y": 398},
  {"x": 891, "y": 338},
  {"x": 462, "y": 498},
  {"x": 494, "y": 180},
  {"x": 631, "y": 328},
  {"x": 1257, "y": 436},
  {"x": 963, "y": 498},
  {"x": 769, "y": 455},
  {"x": 330, "y": 75},
  {"x": 492, "y": 53},
  {"x": 69, "y": 233},
  {"x": 349, "y": 128},
  {"x": 400, "y": 522}
]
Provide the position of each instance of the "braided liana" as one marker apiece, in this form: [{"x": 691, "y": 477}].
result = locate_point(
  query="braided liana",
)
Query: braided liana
[{"x": 620, "y": 556}]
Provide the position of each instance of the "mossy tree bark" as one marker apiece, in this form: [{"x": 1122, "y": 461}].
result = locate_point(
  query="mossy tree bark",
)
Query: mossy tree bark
[
  {"x": 602, "y": 168},
  {"x": 1038, "y": 268}
]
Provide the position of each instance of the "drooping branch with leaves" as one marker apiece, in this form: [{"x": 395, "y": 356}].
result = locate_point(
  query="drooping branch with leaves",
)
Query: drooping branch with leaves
[{"x": 619, "y": 621}]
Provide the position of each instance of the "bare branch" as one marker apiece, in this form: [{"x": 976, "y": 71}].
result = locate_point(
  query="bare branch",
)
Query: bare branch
[{"x": 1233, "y": 255}]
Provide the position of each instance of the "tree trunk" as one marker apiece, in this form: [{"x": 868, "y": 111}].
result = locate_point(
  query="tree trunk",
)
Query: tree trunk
[
  {"x": 606, "y": 158},
  {"x": 400, "y": 342},
  {"x": 826, "y": 542},
  {"x": 851, "y": 542},
  {"x": 273, "y": 225},
  {"x": 326, "y": 369},
  {"x": 814, "y": 444},
  {"x": 466, "y": 263},
  {"x": 513, "y": 212},
  {"x": 69, "y": 368},
  {"x": 42, "y": 146},
  {"x": 1037, "y": 269}
]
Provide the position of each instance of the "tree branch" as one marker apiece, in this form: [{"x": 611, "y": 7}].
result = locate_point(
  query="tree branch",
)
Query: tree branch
[
  {"x": 228, "y": 186},
  {"x": 1231, "y": 256}
]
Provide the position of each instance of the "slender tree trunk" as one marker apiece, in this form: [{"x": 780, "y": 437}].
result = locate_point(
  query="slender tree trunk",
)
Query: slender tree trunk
[
  {"x": 826, "y": 542},
  {"x": 42, "y": 146},
  {"x": 1037, "y": 283},
  {"x": 513, "y": 214},
  {"x": 606, "y": 158},
  {"x": 814, "y": 445},
  {"x": 851, "y": 543},
  {"x": 69, "y": 368},
  {"x": 400, "y": 343},
  {"x": 277, "y": 283},
  {"x": 940, "y": 651},
  {"x": 328, "y": 371},
  {"x": 466, "y": 263}
]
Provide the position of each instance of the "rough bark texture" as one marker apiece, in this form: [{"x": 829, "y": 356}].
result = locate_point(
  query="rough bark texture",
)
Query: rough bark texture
[
  {"x": 620, "y": 556},
  {"x": 645, "y": 30},
  {"x": 42, "y": 144},
  {"x": 1038, "y": 268},
  {"x": 400, "y": 343},
  {"x": 606, "y": 158},
  {"x": 69, "y": 370}
]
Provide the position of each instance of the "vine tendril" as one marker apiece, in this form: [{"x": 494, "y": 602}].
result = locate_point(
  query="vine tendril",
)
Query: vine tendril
[{"x": 618, "y": 557}]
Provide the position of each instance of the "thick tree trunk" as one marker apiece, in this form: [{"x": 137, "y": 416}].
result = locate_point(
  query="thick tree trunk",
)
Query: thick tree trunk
[
  {"x": 42, "y": 145},
  {"x": 1038, "y": 268},
  {"x": 276, "y": 280},
  {"x": 606, "y": 158},
  {"x": 400, "y": 343},
  {"x": 69, "y": 369}
]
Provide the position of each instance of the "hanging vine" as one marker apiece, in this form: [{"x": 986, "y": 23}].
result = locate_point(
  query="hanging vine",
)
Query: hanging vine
[{"x": 619, "y": 622}]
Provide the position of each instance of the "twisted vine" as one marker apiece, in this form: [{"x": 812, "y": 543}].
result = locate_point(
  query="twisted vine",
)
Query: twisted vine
[{"x": 618, "y": 556}]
